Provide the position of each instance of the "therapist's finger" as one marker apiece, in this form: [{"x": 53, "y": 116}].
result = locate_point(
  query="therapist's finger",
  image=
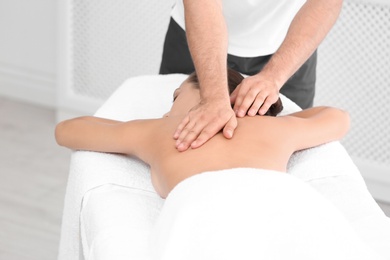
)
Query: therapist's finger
[
  {"x": 230, "y": 127},
  {"x": 188, "y": 136},
  {"x": 268, "y": 102},
  {"x": 256, "y": 105},
  {"x": 181, "y": 126},
  {"x": 239, "y": 97},
  {"x": 247, "y": 102},
  {"x": 208, "y": 131}
]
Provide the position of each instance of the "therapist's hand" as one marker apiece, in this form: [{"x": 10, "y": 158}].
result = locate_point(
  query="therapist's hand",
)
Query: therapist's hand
[
  {"x": 254, "y": 95},
  {"x": 203, "y": 122}
]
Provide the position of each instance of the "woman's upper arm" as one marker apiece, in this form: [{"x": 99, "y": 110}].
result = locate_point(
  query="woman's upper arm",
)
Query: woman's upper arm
[
  {"x": 100, "y": 135},
  {"x": 317, "y": 126}
]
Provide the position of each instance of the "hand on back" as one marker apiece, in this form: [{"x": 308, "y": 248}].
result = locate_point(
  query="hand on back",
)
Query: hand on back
[{"x": 203, "y": 122}]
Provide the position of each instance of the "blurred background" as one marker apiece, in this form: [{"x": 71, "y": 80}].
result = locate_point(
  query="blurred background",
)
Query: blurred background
[
  {"x": 60, "y": 59},
  {"x": 33, "y": 170}
]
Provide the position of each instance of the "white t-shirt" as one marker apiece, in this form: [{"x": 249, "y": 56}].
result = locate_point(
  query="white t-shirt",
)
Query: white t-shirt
[{"x": 255, "y": 27}]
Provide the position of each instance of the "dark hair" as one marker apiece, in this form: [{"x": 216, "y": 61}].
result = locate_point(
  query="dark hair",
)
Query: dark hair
[{"x": 234, "y": 79}]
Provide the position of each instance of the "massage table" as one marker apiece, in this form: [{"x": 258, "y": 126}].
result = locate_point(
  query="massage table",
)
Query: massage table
[{"x": 111, "y": 208}]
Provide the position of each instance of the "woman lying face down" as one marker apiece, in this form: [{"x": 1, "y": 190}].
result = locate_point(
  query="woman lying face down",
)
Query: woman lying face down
[{"x": 262, "y": 142}]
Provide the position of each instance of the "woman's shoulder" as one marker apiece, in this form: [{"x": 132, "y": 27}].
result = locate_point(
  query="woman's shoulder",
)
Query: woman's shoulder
[
  {"x": 266, "y": 128},
  {"x": 263, "y": 121}
]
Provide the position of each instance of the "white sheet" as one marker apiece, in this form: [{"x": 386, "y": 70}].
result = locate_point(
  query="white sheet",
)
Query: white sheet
[
  {"x": 126, "y": 181},
  {"x": 247, "y": 213},
  {"x": 116, "y": 222}
]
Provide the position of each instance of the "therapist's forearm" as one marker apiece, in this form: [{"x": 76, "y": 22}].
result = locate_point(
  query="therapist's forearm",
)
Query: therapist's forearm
[
  {"x": 208, "y": 40},
  {"x": 306, "y": 32}
]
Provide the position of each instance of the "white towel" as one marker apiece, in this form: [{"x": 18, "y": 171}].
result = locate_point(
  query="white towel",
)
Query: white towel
[{"x": 252, "y": 214}]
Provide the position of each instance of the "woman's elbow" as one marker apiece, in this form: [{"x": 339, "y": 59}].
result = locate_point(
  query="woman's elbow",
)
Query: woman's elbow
[
  {"x": 59, "y": 133},
  {"x": 344, "y": 120}
]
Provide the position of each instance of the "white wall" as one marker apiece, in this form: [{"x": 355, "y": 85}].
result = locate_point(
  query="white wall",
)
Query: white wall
[
  {"x": 28, "y": 50},
  {"x": 103, "y": 44}
]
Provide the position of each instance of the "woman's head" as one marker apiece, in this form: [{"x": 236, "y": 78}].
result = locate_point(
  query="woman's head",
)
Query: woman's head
[{"x": 234, "y": 79}]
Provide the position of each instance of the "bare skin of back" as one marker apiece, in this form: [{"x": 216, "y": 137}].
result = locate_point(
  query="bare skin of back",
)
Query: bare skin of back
[{"x": 259, "y": 142}]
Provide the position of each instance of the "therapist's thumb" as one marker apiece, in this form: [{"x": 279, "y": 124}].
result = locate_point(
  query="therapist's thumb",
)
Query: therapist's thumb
[{"x": 229, "y": 128}]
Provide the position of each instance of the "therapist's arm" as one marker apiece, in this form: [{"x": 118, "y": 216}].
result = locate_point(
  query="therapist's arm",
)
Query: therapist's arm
[
  {"x": 307, "y": 30},
  {"x": 207, "y": 40}
]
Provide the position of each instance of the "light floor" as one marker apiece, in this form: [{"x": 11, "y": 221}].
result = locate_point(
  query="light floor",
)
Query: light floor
[{"x": 33, "y": 176}]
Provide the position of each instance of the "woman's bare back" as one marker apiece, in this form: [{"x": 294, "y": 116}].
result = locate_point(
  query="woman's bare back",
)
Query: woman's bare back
[{"x": 259, "y": 142}]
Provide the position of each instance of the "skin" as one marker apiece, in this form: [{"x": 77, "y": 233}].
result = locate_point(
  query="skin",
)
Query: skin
[
  {"x": 255, "y": 94},
  {"x": 260, "y": 142}
]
